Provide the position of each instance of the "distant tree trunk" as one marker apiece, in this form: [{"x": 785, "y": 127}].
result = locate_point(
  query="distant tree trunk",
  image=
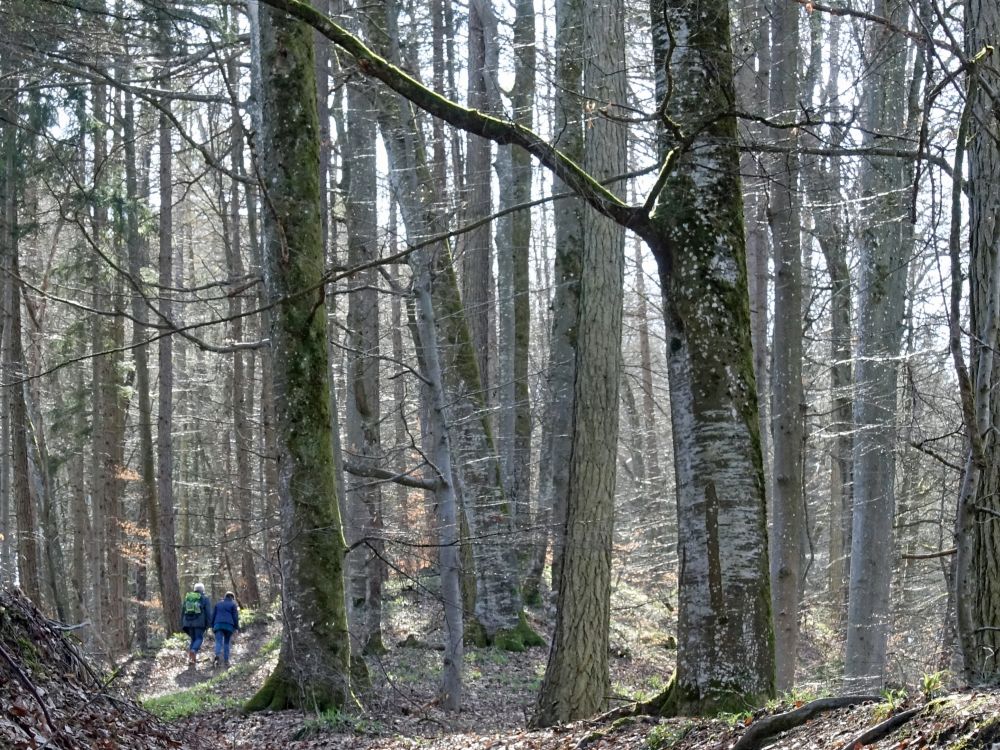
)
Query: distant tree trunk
[
  {"x": 242, "y": 386},
  {"x": 364, "y": 413},
  {"x": 513, "y": 301},
  {"x": 313, "y": 669},
  {"x": 170, "y": 591},
  {"x": 653, "y": 494},
  {"x": 496, "y": 615},
  {"x": 577, "y": 683},
  {"x": 882, "y": 284},
  {"x": 148, "y": 516},
  {"x": 28, "y": 553},
  {"x": 788, "y": 512},
  {"x": 978, "y": 585},
  {"x": 824, "y": 185},
  {"x": 569, "y": 240},
  {"x": 476, "y": 251}
]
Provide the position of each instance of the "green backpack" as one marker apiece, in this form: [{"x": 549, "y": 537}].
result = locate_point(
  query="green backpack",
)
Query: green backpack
[{"x": 192, "y": 604}]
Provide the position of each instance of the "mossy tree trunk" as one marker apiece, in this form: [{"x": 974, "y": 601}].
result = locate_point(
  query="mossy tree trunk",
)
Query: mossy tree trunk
[
  {"x": 726, "y": 639},
  {"x": 725, "y": 642},
  {"x": 313, "y": 665}
]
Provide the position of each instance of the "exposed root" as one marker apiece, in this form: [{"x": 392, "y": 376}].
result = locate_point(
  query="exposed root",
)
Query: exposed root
[
  {"x": 765, "y": 728},
  {"x": 886, "y": 727}
]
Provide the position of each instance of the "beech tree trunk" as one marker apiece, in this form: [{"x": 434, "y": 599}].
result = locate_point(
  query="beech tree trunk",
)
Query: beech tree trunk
[
  {"x": 788, "y": 511},
  {"x": 882, "y": 284},
  {"x": 725, "y": 641},
  {"x": 313, "y": 669}
]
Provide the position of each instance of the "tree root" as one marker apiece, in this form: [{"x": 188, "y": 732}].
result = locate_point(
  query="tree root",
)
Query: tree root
[
  {"x": 762, "y": 729},
  {"x": 881, "y": 730}
]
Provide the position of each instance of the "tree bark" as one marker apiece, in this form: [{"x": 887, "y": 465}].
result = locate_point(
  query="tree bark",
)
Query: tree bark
[
  {"x": 577, "y": 682},
  {"x": 170, "y": 590},
  {"x": 363, "y": 413},
  {"x": 725, "y": 650},
  {"x": 313, "y": 669},
  {"x": 569, "y": 240},
  {"x": 788, "y": 522},
  {"x": 882, "y": 284},
  {"x": 977, "y": 585}
]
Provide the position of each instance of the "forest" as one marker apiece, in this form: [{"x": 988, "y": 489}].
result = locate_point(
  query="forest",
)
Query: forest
[{"x": 545, "y": 368}]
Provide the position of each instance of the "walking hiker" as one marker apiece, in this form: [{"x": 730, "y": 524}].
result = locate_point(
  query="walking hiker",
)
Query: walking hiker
[
  {"x": 196, "y": 612},
  {"x": 225, "y": 622}
]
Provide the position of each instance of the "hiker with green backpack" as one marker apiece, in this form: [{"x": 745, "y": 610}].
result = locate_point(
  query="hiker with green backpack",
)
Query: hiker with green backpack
[{"x": 196, "y": 613}]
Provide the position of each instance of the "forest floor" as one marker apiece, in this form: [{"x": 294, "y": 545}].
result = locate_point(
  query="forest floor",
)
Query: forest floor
[{"x": 49, "y": 698}]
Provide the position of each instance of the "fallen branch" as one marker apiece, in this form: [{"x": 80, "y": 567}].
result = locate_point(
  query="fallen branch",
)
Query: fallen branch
[
  {"x": 761, "y": 730},
  {"x": 929, "y": 555}
]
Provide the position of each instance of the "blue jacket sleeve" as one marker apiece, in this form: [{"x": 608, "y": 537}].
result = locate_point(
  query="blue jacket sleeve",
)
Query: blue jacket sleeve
[{"x": 236, "y": 616}]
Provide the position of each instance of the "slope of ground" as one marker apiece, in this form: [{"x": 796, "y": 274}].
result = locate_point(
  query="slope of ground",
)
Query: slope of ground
[{"x": 52, "y": 699}]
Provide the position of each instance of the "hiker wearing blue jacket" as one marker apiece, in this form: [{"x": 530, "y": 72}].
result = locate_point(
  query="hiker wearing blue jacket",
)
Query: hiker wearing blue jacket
[
  {"x": 225, "y": 622},
  {"x": 196, "y": 613}
]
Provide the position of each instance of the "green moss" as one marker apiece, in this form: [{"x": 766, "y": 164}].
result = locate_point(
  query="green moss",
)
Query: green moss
[
  {"x": 532, "y": 595},
  {"x": 981, "y": 737},
  {"x": 475, "y": 634},
  {"x": 519, "y": 638}
]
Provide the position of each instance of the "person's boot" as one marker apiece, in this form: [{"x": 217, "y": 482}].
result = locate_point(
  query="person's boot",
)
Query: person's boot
[
  {"x": 191, "y": 657},
  {"x": 227, "y": 663},
  {"x": 215, "y": 661}
]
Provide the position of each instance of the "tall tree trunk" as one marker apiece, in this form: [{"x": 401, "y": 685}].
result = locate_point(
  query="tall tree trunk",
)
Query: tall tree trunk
[
  {"x": 496, "y": 615},
  {"x": 513, "y": 302},
  {"x": 882, "y": 283},
  {"x": 170, "y": 591},
  {"x": 242, "y": 386},
  {"x": 569, "y": 240},
  {"x": 577, "y": 682},
  {"x": 788, "y": 520},
  {"x": 364, "y": 414},
  {"x": 148, "y": 515},
  {"x": 725, "y": 647},
  {"x": 476, "y": 250},
  {"x": 28, "y": 553},
  {"x": 313, "y": 669},
  {"x": 978, "y": 583}
]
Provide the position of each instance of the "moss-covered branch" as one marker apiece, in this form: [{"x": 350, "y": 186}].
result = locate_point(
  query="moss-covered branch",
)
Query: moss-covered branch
[{"x": 496, "y": 129}]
